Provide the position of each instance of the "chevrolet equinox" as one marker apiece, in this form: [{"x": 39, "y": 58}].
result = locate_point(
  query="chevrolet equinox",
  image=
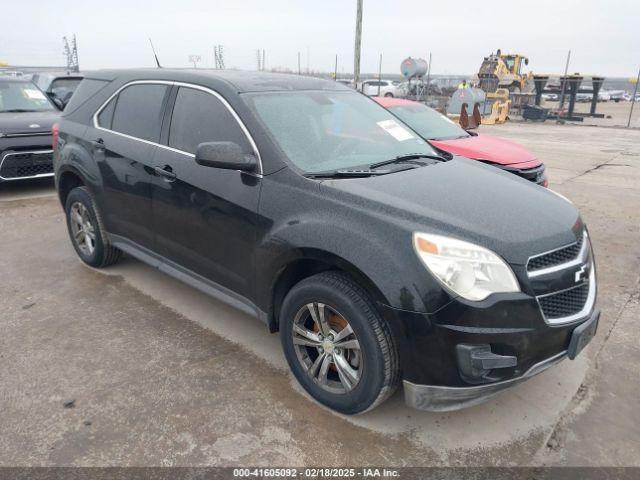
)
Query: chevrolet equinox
[{"x": 306, "y": 204}]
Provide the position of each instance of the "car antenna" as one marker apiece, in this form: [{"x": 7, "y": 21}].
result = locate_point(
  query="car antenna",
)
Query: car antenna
[{"x": 155, "y": 54}]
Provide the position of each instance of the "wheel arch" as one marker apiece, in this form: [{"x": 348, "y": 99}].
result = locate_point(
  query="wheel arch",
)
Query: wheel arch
[
  {"x": 68, "y": 179},
  {"x": 312, "y": 261}
]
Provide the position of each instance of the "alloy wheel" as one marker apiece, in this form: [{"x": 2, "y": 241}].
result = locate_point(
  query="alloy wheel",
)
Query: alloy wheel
[
  {"x": 82, "y": 228},
  {"x": 327, "y": 348}
]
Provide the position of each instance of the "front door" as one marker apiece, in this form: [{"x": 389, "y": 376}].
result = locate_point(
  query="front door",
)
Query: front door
[{"x": 205, "y": 218}]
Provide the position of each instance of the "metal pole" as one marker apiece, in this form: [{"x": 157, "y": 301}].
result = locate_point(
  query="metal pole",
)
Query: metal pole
[
  {"x": 633, "y": 100},
  {"x": 263, "y": 65},
  {"x": 564, "y": 84},
  {"x": 299, "y": 72},
  {"x": 335, "y": 70},
  {"x": 356, "y": 50},
  {"x": 428, "y": 78},
  {"x": 379, "y": 74}
]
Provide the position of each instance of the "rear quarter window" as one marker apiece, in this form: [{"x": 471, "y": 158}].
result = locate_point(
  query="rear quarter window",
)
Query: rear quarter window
[{"x": 106, "y": 114}]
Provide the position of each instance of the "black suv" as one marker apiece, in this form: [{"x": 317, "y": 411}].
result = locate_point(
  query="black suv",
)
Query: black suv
[
  {"x": 306, "y": 204},
  {"x": 26, "y": 118}
]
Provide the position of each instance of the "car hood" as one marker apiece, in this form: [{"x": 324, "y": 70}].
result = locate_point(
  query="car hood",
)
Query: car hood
[
  {"x": 488, "y": 148},
  {"x": 470, "y": 201},
  {"x": 17, "y": 122}
]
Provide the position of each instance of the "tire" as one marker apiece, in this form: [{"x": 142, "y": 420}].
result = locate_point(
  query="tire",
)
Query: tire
[
  {"x": 90, "y": 241},
  {"x": 374, "y": 360},
  {"x": 388, "y": 94}
]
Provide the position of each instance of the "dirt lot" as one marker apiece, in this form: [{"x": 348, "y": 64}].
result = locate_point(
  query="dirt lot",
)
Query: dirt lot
[{"x": 159, "y": 374}]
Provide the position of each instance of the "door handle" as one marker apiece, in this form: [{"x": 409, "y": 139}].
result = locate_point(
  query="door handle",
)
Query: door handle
[
  {"x": 166, "y": 172},
  {"x": 98, "y": 144}
]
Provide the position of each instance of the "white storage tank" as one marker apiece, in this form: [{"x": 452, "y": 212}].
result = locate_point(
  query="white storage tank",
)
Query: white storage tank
[{"x": 413, "y": 67}]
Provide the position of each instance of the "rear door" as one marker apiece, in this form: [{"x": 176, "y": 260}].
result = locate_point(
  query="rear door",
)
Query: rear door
[
  {"x": 123, "y": 145},
  {"x": 205, "y": 218}
]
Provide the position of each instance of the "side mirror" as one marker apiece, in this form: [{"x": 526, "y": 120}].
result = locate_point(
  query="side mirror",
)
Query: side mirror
[
  {"x": 227, "y": 155},
  {"x": 58, "y": 103}
]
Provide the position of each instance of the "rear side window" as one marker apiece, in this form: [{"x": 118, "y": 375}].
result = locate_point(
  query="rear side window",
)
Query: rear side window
[
  {"x": 138, "y": 111},
  {"x": 200, "y": 117}
]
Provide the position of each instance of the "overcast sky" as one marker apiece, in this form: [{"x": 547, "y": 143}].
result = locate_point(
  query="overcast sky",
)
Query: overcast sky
[{"x": 604, "y": 36}]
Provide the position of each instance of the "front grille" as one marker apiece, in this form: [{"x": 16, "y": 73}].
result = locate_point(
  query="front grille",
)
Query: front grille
[
  {"x": 556, "y": 257},
  {"x": 535, "y": 175},
  {"x": 566, "y": 303},
  {"x": 26, "y": 164}
]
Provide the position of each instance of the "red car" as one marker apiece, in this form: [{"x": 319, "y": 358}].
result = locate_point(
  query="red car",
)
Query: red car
[{"x": 446, "y": 135}]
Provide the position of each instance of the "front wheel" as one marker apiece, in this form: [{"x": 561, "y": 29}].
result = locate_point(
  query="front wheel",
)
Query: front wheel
[
  {"x": 388, "y": 94},
  {"x": 337, "y": 345}
]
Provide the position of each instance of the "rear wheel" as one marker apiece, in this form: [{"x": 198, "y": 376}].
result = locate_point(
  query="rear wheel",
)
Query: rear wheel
[
  {"x": 85, "y": 229},
  {"x": 338, "y": 347},
  {"x": 388, "y": 94}
]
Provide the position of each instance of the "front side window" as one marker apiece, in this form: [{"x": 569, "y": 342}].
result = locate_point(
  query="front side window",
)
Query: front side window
[
  {"x": 200, "y": 117},
  {"x": 23, "y": 97},
  {"x": 321, "y": 131},
  {"x": 138, "y": 111},
  {"x": 427, "y": 122}
]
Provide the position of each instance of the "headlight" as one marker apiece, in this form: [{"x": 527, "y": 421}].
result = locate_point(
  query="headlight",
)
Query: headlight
[{"x": 471, "y": 271}]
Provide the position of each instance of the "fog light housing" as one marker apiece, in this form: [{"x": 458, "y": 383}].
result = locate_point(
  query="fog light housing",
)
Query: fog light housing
[{"x": 475, "y": 361}]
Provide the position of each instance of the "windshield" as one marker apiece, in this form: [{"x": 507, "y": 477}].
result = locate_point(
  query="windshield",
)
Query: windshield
[
  {"x": 23, "y": 96},
  {"x": 322, "y": 131},
  {"x": 427, "y": 122}
]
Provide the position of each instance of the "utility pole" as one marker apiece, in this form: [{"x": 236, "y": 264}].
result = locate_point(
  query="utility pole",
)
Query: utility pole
[
  {"x": 356, "y": 51},
  {"x": 633, "y": 100},
  {"x": 379, "y": 74},
  {"x": 71, "y": 52},
  {"x": 299, "y": 72},
  {"x": 263, "y": 64},
  {"x": 428, "y": 78},
  {"x": 335, "y": 69}
]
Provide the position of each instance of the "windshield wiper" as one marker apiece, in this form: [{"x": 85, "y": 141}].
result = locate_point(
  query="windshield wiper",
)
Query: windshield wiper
[
  {"x": 346, "y": 173},
  {"x": 404, "y": 158}
]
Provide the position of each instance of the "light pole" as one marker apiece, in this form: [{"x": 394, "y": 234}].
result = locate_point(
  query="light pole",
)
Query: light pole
[{"x": 356, "y": 53}]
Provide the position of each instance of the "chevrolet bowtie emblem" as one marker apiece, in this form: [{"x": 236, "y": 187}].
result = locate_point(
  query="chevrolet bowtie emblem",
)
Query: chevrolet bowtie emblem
[{"x": 580, "y": 272}]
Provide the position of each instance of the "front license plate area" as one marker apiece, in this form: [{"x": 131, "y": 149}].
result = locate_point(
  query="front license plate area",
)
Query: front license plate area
[{"x": 582, "y": 335}]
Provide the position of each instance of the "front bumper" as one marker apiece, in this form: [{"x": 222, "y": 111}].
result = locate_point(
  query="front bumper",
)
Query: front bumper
[
  {"x": 432, "y": 374},
  {"x": 442, "y": 399}
]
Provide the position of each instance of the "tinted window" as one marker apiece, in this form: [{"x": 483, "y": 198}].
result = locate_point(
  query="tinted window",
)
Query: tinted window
[
  {"x": 138, "y": 111},
  {"x": 200, "y": 117},
  {"x": 105, "y": 116}
]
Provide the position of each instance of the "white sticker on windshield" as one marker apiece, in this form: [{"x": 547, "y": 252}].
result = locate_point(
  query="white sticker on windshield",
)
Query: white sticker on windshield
[
  {"x": 34, "y": 94},
  {"x": 395, "y": 130}
]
